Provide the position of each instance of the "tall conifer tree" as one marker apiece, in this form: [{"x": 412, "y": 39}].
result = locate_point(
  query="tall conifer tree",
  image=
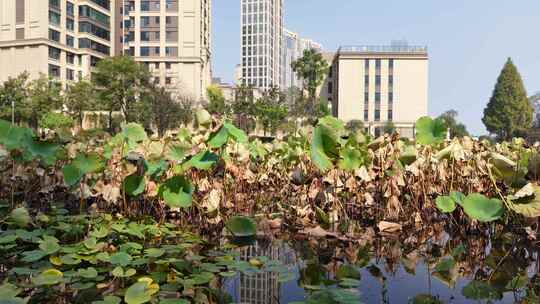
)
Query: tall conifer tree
[{"x": 508, "y": 112}]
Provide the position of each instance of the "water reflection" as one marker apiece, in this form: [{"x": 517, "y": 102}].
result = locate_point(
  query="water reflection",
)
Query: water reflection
[{"x": 422, "y": 268}]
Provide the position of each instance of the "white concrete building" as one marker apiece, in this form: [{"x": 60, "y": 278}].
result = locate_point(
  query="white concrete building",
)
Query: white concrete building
[{"x": 261, "y": 42}]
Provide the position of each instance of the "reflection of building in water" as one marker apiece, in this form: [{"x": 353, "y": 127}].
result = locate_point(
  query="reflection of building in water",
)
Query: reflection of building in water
[{"x": 261, "y": 288}]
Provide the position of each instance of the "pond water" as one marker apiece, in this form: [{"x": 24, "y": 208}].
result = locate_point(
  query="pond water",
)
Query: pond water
[{"x": 386, "y": 270}]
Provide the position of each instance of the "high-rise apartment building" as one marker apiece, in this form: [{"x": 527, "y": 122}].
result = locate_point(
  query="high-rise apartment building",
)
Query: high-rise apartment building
[
  {"x": 380, "y": 84},
  {"x": 262, "y": 38},
  {"x": 66, "y": 38},
  {"x": 173, "y": 38},
  {"x": 293, "y": 49},
  {"x": 59, "y": 38}
]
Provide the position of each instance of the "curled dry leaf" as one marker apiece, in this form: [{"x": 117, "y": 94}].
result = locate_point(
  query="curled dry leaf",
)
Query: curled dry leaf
[
  {"x": 318, "y": 232},
  {"x": 389, "y": 227}
]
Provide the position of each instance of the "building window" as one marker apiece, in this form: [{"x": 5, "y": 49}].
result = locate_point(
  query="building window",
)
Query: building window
[
  {"x": 19, "y": 11},
  {"x": 54, "y": 53},
  {"x": 168, "y": 80},
  {"x": 366, "y": 115},
  {"x": 70, "y": 41},
  {"x": 54, "y": 71},
  {"x": 70, "y": 74},
  {"x": 54, "y": 18},
  {"x": 145, "y": 21},
  {"x": 329, "y": 88},
  {"x": 54, "y": 4},
  {"x": 85, "y": 43},
  {"x": 70, "y": 24},
  {"x": 366, "y": 64},
  {"x": 70, "y": 58},
  {"x": 87, "y": 11},
  {"x": 377, "y": 115},
  {"x": 156, "y": 65},
  {"x": 54, "y": 35},
  {"x": 171, "y": 51},
  {"x": 70, "y": 9},
  {"x": 90, "y": 28},
  {"x": 390, "y": 115},
  {"x": 171, "y": 36}
]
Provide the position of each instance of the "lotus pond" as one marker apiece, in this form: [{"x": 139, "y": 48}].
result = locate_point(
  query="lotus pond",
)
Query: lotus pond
[{"x": 209, "y": 215}]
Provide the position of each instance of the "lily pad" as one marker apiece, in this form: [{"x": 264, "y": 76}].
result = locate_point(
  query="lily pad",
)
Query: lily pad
[
  {"x": 141, "y": 292},
  {"x": 483, "y": 209},
  {"x": 241, "y": 226},
  {"x": 134, "y": 133},
  {"x": 48, "y": 277},
  {"x": 478, "y": 290},
  {"x": 445, "y": 204}
]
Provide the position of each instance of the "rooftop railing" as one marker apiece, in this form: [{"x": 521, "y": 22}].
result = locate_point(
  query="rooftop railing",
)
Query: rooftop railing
[{"x": 416, "y": 49}]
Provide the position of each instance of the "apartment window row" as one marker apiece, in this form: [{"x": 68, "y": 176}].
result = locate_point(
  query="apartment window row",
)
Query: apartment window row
[
  {"x": 54, "y": 4},
  {"x": 90, "y": 28},
  {"x": 89, "y": 12},
  {"x": 150, "y": 36},
  {"x": 150, "y": 6},
  {"x": 85, "y": 43},
  {"x": 103, "y": 3},
  {"x": 149, "y": 51}
]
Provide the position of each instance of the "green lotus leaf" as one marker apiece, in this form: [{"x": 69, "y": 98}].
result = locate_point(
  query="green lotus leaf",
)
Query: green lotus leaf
[
  {"x": 88, "y": 273},
  {"x": 177, "y": 192},
  {"x": 446, "y": 265},
  {"x": 72, "y": 175},
  {"x": 430, "y": 131},
  {"x": 177, "y": 153},
  {"x": 48, "y": 277},
  {"x": 154, "y": 252},
  {"x": 457, "y": 197},
  {"x": 141, "y": 292},
  {"x": 156, "y": 168},
  {"x": 88, "y": 163},
  {"x": 134, "y": 185},
  {"x": 350, "y": 159},
  {"x": 241, "y": 226},
  {"x": 478, "y": 290},
  {"x": 7, "y": 290},
  {"x": 445, "y": 204},
  {"x": 237, "y": 134},
  {"x": 134, "y": 133},
  {"x": 33, "y": 256},
  {"x": 324, "y": 145},
  {"x": 121, "y": 258},
  {"x": 19, "y": 217},
  {"x": 348, "y": 271},
  {"x": 219, "y": 138},
  {"x": 49, "y": 245},
  {"x": 481, "y": 208},
  {"x": 203, "y": 160}
]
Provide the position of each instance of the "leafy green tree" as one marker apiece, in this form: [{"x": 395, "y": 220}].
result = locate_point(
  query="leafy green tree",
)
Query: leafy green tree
[
  {"x": 14, "y": 90},
  {"x": 508, "y": 111},
  {"x": 216, "y": 101},
  {"x": 79, "y": 98},
  {"x": 56, "y": 121},
  {"x": 271, "y": 110},
  {"x": 43, "y": 97},
  {"x": 243, "y": 107},
  {"x": 312, "y": 68},
  {"x": 120, "y": 82},
  {"x": 168, "y": 112},
  {"x": 455, "y": 128}
]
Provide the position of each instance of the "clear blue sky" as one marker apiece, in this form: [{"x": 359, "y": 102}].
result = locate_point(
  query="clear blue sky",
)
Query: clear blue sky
[{"x": 468, "y": 41}]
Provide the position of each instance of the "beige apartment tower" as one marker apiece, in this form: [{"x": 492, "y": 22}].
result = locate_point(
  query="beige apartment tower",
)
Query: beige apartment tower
[
  {"x": 173, "y": 38},
  {"x": 59, "y": 38},
  {"x": 380, "y": 84},
  {"x": 66, "y": 38}
]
